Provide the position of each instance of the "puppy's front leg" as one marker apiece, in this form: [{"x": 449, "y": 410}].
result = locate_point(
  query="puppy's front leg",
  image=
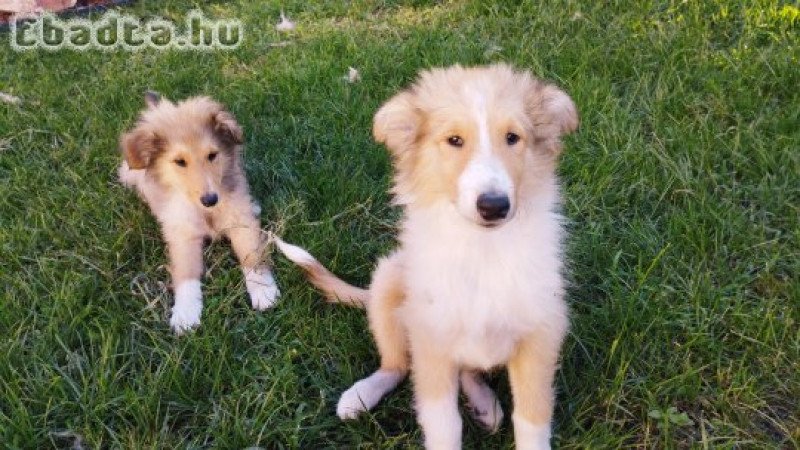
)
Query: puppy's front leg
[
  {"x": 435, "y": 379},
  {"x": 186, "y": 266},
  {"x": 249, "y": 247},
  {"x": 531, "y": 371}
]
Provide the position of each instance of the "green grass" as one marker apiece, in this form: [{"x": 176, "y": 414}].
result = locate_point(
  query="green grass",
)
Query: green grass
[{"x": 682, "y": 191}]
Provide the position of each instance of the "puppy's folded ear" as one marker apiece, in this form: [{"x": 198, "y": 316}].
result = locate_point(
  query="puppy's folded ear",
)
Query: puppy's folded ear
[
  {"x": 552, "y": 112},
  {"x": 140, "y": 147},
  {"x": 397, "y": 123},
  {"x": 226, "y": 128},
  {"x": 152, "y": 99}
]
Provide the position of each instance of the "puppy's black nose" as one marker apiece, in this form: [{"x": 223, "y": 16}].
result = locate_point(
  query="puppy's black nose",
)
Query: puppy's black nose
[
  {"x": 209, "y": 200},
  {"x": 493, "y": 206}
]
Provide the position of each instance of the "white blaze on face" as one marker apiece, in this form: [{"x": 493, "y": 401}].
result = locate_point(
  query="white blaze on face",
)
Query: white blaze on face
[
  {"x": 210, "y": 185},
  {"x": 485, "y": 173}
]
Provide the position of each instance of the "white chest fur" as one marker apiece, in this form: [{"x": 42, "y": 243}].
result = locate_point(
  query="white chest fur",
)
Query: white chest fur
[{"x": 475, "y": 291}]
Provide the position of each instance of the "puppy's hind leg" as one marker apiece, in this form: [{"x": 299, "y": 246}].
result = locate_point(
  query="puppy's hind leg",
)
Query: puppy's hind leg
[
  {"x": 483, "y": 403},
  {"x": 250, "y": 247},
  {"x": 186, "y": 265},
  {"x": 386, "y": 294}
]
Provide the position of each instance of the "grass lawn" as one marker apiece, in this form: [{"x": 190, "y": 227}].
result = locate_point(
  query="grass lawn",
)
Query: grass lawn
[{"x": 682, "y": 191}]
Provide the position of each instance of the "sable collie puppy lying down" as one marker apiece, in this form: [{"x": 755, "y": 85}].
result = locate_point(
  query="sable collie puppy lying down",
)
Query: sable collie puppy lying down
[
  {"x": 184, "y": 160},
  {"x": 476, "y": 281}
]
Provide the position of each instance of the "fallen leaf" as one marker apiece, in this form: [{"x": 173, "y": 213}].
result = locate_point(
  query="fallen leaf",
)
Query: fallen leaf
[
  {"x": 492, "y": 50},
  {"x": 8, "y": 98},
  {"x": 352, "y": 75},
  {"x": 280, "y": 44},
  {"x": 285, "y": 24},
  {"x": 77, "y": 439}
]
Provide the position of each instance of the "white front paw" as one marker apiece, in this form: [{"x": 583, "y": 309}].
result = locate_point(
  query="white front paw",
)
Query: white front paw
[
  {"x": 530, "y": 436},
  {"x": 261, "y": 287},
  {"x": 188, "y": 306},
  {"x": 440, "y": 422},
  {"x": 350, "y": 404}
]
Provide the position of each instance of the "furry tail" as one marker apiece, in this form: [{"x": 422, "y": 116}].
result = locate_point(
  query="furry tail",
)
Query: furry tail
[{"x": 335, "y": 289}]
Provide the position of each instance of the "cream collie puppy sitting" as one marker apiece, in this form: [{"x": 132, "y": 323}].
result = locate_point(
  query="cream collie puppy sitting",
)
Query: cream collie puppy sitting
[
  {"x": 476, "y": 282},
  {"x": 184, "y": 161}
]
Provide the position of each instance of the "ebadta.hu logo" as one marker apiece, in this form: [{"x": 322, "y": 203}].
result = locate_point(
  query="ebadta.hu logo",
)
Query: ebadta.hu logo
[{"x": 113, "y": 31}]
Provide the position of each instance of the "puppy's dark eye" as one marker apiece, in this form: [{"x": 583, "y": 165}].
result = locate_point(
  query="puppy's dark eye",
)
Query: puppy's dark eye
[
  {"x": 455, "y": 141},
  {"x": 212, "y": 156},
  {"x": 512, "y": 138},
  {"x": 181, "y": 162}
]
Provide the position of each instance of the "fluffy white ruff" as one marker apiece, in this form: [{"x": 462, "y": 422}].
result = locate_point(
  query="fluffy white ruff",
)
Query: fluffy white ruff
[
  {"x": 440, "y": 423},
  {"x": 483, "y": 403},
  {"x": 366, "y": 393},
  {"x": 528, "y": 436},
  {"x": 261, "y": 287},
  {"x": 477, "y": 292},
  {"x": 188, "y": 306}
]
